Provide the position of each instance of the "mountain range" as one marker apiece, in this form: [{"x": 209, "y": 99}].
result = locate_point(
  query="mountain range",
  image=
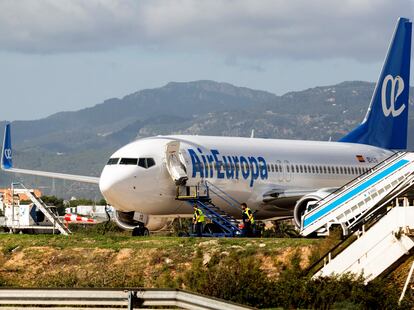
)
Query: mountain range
[{"x": 81, "y": 141}]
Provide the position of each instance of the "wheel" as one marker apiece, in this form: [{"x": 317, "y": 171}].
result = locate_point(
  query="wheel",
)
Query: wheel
[
  {"x": 137, "y": 231},
  {"x": 145, "y": 232},
  {"x": 140, "y": 231}
]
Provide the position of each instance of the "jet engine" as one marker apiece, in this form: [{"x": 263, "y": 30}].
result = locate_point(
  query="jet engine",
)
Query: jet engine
[
  {"x": 131, "y": 220},
  {"x": 307, "y": 201}
]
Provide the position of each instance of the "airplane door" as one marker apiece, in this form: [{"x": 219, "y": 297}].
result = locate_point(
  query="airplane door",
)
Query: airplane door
[
  {"x": 287, "y": 171},
  {"x": 280, "y": 170},
  {"x": 175, "y": 164}
]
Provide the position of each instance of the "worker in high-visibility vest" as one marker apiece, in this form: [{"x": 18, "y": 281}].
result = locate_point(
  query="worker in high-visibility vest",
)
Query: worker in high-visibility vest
[
  {"x": 198, "y": 220},
  {"x": 248, "y": 221}
]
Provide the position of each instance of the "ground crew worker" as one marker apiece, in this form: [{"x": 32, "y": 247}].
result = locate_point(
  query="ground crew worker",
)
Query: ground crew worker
[
  {"x": 198, "y": 220},
  {"x": 248, "y": 221}
]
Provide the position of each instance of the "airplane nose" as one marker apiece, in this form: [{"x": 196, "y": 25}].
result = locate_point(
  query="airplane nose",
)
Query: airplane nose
[
  {"x": 107, "y": 185},
  {"x": 115, "y": 187}
]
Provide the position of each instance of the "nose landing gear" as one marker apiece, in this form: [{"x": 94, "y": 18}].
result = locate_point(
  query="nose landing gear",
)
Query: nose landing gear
[{"x": 140, "y": 230}]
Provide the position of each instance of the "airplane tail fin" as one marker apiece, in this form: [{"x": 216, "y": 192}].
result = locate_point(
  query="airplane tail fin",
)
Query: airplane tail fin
[
  {"x": 385, "y": 124},
  {"x": 6, "y": 154}
]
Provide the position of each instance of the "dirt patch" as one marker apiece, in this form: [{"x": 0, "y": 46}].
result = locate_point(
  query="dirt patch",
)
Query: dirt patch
[
  {"x": 17, "y": 261},
  {"x": 284, "y": 257},
  {"x": 123, "y": 256}
]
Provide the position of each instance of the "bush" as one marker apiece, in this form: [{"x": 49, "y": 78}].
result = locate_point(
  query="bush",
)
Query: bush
[
  {"x": 281, "y": 229},
  {"x": 231, "y": 278},
  {"x": 240, "y": 279}
]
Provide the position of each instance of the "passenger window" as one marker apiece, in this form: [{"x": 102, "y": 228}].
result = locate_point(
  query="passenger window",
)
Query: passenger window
[
  {"x": 113, "y": 161},
  {"x": 301, "y": 169},
  {"x": 128, "y": 161},
  {"x": 329, "y": 169},
  {"x": 273, "y": 168},
  {"x": 305, "y": 169}
]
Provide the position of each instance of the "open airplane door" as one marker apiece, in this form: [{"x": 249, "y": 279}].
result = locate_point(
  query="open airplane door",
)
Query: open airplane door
[{"x": 175, "y": 163}]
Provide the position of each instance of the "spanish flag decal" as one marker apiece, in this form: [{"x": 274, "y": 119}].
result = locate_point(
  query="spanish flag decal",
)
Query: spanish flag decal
[{"x": 360, "y": 158}]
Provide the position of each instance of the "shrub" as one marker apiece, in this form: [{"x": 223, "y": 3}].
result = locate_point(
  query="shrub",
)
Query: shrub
[{"x": 240, "y": 279}]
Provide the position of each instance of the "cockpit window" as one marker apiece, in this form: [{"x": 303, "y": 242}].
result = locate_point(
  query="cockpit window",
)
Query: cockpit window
[
  {"x": 113, "y": 161},
  {"x": 150, "y": 162},
  {"x": 146, "y": 162},
  {"x": 142, "y": 163},
  {"x": 128, "y": 161}
]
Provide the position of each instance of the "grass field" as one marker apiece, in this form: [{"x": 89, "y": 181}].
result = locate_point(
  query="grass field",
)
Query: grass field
[{"x": 115, "y": 259}]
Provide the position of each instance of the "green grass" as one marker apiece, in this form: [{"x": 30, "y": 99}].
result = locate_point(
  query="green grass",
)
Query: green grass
[{"x": 117, "y": 241}]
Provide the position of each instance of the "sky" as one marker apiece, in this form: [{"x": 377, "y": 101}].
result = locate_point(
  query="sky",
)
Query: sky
[{"x": 67, "y": 55}]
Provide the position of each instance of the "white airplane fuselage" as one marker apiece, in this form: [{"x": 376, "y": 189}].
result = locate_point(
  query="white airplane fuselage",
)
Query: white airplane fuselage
[{"x": 244, "y": 168}]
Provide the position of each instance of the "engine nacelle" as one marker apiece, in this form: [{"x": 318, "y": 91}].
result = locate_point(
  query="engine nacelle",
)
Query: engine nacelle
[
  {"x": 130, "y": 220},
  {"x": 307, "y": 201}
]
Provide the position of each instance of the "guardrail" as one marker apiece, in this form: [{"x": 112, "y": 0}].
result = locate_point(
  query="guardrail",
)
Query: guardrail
[{"x": 125, "y": 298}]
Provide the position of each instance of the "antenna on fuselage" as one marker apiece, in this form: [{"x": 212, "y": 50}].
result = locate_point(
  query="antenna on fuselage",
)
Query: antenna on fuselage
[{"x": 252, "y": 134}]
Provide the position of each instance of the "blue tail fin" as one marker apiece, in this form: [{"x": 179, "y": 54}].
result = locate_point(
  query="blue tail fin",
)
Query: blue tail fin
[
  {"x": 385, "y": 124},
  {"x": 6, "y": 155}
]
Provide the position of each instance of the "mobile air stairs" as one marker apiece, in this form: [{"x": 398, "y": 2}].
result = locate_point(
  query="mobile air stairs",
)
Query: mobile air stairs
[
  {"x": 365, "y": 200},
  {"x": 225, "y": 225},
  {"x": 57, "y": 224}
]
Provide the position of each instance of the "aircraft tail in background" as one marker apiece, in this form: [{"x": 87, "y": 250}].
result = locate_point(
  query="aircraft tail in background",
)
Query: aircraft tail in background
[
  {"x": 385, "y": 124},
  {"x": 6, "y": 155}
]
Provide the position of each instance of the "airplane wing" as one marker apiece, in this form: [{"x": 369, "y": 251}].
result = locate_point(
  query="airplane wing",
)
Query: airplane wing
[{"x": 7, "y": 164}]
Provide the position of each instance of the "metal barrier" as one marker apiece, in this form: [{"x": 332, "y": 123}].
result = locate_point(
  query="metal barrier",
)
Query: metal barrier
[{"x": 125, "y": 298}]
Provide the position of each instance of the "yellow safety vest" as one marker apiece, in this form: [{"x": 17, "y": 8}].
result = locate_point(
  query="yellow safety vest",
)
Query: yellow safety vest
[
  {"x": 198, "y": 216},
  {"x": 249, "y": 214}
]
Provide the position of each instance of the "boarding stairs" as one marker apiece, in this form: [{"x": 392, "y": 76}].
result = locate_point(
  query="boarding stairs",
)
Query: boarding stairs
[
  {"x": 19, "y": 188},
  {"x": 200, "y": 194},
  {"x": 385, "y": 243},
  {"x": 362, "y": 198}
]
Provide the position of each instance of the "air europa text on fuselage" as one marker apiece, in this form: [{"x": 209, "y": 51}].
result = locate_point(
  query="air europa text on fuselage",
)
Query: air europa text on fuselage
[{"x": 227, "y": 166}]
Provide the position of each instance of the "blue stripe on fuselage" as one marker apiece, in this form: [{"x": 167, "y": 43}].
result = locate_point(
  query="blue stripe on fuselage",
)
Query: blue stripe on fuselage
[{"x": 354, "y": 192}]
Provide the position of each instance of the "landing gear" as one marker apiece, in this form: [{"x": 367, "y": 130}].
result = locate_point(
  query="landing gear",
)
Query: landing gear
[{"x": 140, "y": 230}]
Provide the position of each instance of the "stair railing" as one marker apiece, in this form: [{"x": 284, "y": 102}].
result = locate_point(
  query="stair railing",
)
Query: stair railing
[{"x": 232, "y": 202}]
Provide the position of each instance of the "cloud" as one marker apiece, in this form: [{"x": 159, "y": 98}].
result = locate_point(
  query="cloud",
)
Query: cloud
[{"x": 301, "y": 29}]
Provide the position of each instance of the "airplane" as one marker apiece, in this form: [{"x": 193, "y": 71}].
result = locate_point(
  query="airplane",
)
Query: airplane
[{"x": 276, "y": 178}]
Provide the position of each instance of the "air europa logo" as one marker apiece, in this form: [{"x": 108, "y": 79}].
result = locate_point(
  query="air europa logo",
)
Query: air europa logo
[
  {"x": 8, "y": 153},
  {"x": 212, "y": 164},
  {"x": 397, "y": 87}
]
